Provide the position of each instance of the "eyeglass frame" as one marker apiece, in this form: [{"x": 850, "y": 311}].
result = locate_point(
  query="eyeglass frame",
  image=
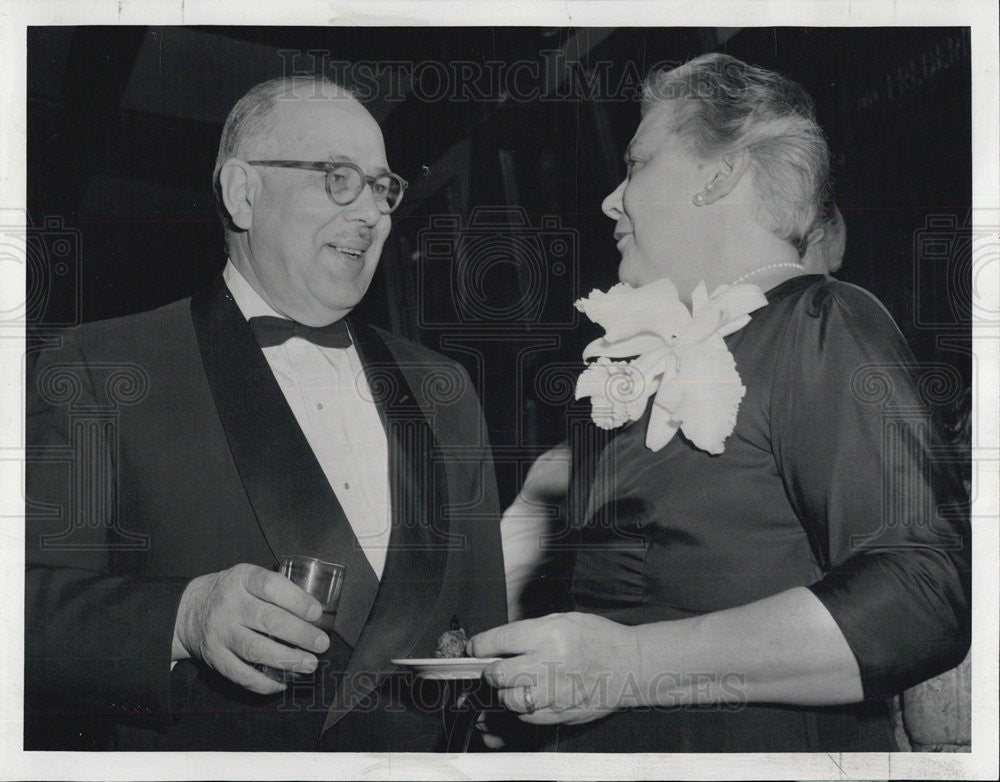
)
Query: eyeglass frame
[{"x": 328, "y": 167}]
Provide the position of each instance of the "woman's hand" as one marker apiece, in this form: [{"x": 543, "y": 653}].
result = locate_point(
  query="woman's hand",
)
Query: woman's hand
[{"x": 569, "y": 668}]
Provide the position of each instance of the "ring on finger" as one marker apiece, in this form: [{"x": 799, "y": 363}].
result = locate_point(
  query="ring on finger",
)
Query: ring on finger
[{"x": 529, "y": 700}]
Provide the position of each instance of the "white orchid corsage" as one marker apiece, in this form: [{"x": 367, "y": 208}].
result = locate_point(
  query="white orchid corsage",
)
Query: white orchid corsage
[{"x": 681, "y": 360}]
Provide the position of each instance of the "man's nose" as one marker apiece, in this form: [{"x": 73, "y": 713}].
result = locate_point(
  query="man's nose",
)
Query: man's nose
[
  {"x": 612, "y": 205},
  {"x": 364, "y": 207}
]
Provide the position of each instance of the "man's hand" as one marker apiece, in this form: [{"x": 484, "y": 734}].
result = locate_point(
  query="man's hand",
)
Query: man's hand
[{"x": 224, "y": 620}]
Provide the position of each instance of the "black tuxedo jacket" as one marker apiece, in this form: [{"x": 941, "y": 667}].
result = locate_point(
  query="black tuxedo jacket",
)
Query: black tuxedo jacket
[{"x": 160, "y": 448}]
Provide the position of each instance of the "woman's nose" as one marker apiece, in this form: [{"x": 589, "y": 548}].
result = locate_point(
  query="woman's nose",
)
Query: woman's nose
[{"x": 612, "y": 205}]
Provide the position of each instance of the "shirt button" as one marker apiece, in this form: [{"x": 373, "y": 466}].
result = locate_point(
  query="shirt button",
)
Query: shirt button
[
  {"x": 319, "y": 405},
  {"x": 347, "y": 485}
]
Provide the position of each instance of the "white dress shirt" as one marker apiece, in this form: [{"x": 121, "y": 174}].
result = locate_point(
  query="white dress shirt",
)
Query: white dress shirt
[{"x": 329, "y": 396}]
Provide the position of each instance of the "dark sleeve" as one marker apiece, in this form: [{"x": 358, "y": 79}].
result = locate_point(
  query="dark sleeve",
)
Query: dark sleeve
[
  {"x": 97, "y": 638},
  {"x": 876, "y": 491}
]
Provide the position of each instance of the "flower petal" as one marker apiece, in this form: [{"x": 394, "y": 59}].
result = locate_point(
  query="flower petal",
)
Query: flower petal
[
  {"x": 698, "y": 297},
  {"x": 681, "y": 360},
  {"x": 593, "y": 379},
  {"x": 618, "y": 391},
  {"x": 625, "y": 311},
  {"x": 657, "y": 362},
  {"x": 704, "y": 396},
  {"x": 726, "y": 311},
  {"x": 624, "y": 348},
  {"x": 661, "y": 428}
]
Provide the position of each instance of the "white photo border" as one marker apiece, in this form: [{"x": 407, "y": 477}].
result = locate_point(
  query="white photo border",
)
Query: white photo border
[{"x": 980, "y": 763}]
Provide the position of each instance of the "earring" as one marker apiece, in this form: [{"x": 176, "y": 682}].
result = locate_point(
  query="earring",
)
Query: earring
[
  {"x": 710, "y": 186},
  {"x": 699, "y": 199}
]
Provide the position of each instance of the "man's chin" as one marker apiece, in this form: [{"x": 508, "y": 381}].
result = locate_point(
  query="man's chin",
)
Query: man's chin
[
  {"x": 341, "y": 302},
  {"x": 322, "y": 310}
]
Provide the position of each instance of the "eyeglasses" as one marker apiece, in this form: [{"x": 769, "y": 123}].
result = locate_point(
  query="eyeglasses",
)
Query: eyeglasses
[{"x": 345, "y": 181}]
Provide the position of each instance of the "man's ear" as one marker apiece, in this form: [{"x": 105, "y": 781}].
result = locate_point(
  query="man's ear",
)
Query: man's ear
[
  {"x": 729, "y": 171},
  {"x": 238, "y": 181}
]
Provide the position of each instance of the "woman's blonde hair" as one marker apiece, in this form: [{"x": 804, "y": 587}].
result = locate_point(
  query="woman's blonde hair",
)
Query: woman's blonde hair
[{"x": 722, "y": 104}]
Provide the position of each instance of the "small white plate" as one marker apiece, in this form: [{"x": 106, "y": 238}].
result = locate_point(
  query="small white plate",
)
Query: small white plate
[{"x": 448, "y": 667}]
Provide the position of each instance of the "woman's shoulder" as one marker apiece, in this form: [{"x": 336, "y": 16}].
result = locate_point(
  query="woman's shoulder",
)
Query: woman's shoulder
[
  {"x": 820, "y": 298},
  {"x": 813, "y": 318}
]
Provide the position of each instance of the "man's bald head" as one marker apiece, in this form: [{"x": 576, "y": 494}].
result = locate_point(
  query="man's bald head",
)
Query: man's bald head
[{"x": 252, "y": 119}]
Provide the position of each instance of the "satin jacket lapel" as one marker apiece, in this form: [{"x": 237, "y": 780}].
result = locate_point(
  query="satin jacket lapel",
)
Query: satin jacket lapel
[
  {"x": 297, "y": 510},
  {"x": 418, "y": 544}
]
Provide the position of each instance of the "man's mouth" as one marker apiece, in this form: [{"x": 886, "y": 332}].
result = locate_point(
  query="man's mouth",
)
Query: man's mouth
[{"x": 350, "y": 252}]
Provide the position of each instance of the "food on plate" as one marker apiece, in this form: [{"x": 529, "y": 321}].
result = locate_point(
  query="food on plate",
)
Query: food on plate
[{"x": 452, "y": 642}]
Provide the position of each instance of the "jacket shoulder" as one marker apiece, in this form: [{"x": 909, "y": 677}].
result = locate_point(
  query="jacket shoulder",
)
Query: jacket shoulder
[
  {"x": 152, "y": 330},
  {"x": 142, "y": 321}
]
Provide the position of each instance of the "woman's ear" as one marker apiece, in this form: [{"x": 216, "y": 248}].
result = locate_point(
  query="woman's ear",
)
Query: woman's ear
[
  {"x": 730, "y": 169},
  {"x": 238, "y": 181}
]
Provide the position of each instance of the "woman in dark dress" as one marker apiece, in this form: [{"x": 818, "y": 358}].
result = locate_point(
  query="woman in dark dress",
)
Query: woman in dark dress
[{"x": 770, "y": 589}]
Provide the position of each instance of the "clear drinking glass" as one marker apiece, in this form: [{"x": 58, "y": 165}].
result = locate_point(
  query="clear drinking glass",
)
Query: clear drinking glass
[{"x": 322, "y": 580}]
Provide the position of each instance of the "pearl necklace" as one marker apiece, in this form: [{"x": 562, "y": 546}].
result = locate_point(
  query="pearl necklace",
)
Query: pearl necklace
[{"x": 783, "y": 265}]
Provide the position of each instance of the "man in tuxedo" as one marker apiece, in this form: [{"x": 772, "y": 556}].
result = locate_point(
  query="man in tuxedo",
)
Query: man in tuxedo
[{"x": 177, "y": 455}]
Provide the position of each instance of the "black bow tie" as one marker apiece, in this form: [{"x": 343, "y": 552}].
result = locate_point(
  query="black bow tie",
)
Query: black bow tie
[{"x": 272, "y": 331}]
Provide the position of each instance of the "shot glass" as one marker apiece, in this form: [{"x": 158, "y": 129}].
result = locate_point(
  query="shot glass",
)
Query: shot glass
[{"x": 322, "y": 580}]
